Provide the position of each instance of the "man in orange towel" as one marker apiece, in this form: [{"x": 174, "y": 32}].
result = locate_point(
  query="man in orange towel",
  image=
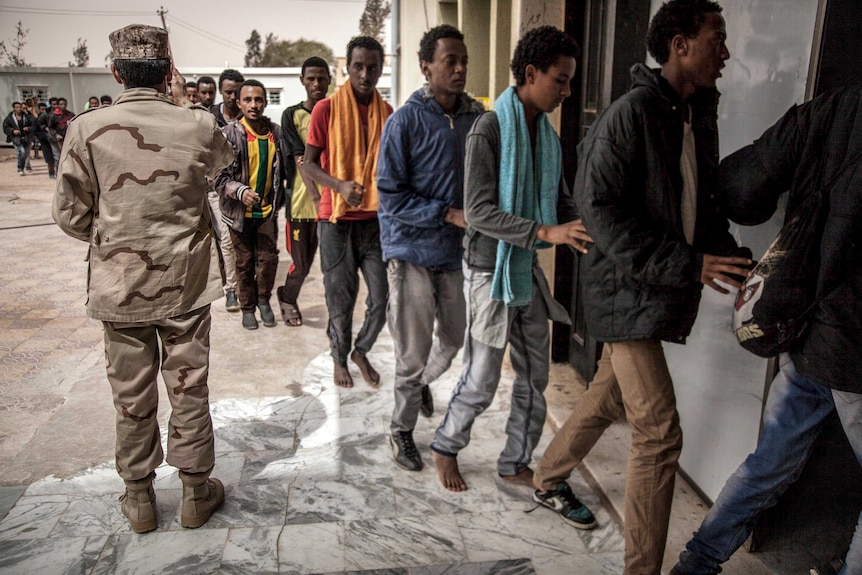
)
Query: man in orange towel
[{"x": 341, "y": 155}]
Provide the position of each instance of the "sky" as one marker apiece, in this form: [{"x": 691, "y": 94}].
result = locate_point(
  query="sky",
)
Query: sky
[{"x": 202, "y": 32}]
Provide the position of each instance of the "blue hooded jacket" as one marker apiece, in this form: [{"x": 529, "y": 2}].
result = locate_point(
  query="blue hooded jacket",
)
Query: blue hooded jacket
[{"x": 420, "y": 175}]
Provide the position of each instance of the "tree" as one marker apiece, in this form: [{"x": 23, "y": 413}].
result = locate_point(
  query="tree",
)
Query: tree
[
  {"x": 11, "y": 54},
  {"x": 374, "y": 18},
  {"x": 81, "y": 54},
  {"x": 293, "y": 52},
  {"x": 252, "y": 50}
]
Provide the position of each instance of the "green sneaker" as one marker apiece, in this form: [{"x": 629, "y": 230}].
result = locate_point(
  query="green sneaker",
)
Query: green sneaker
[{"x": 564, "y": 502}]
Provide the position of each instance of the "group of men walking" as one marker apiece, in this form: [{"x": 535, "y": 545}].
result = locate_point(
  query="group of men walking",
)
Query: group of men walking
[
  {"x": 442, "y": 207},
  {"x": 29, "y": 123}
]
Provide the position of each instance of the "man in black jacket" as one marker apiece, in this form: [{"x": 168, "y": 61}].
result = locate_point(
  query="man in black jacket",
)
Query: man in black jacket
[
  {"x": 18, "y": 127},
  {"x": 816, "y": 144},
  {"x": 644, "y": 192}
]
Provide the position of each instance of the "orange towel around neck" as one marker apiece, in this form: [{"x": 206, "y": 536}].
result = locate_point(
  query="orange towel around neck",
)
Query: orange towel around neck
[{"x": 350, "y": 158}]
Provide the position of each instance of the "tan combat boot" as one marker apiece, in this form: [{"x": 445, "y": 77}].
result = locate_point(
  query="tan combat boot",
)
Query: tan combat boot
[
  {"x": 201, "y": 496},
  {"x": 139, "y": 504}
]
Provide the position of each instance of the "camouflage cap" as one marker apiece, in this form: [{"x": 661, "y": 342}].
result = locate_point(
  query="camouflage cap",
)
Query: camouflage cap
[{"x": 141, "y": 42}]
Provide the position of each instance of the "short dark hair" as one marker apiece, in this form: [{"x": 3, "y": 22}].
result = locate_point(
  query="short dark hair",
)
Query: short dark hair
[
  {"x": 42, "y": 105},
  {"x": 92, "y": 98},
  {"x": 141, "y": 73},
  {"x": 251, "y": 84},
  {"x": 61, "y": 99},
  {"x": 53, "y": 99},
  {"x": 191, "y": 84},
  {"x": 541, "y": 47},
  {"x": 314, "y": 62},
  {"x": 106, "y": 98},
  {"x": 676, "y": 17},
  {"x": 428, "y": 43},
  {"x": 19, "y": 103},
  {"x": 206, "y": 80},
  {"x": 366, "y": 42},
  {"x": 232, "y": 75}
]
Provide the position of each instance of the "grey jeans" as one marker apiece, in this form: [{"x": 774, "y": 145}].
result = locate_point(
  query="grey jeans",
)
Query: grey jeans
[
  {"x": 227, "y": 252},
  {"x": 490, "y": 326},
  {"x": 418, "y": 296},
  {"x": 346, "y": 247}
]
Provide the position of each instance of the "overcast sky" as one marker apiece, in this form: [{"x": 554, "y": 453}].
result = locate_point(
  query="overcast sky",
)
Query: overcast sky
[{"x": 203, "y": 33}]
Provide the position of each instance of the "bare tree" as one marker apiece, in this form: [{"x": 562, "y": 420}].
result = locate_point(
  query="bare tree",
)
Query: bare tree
[
  {"x": 81, "y": 54},
  {"x": 374, "y": 18},
  {"x": 11, "y": 54}
]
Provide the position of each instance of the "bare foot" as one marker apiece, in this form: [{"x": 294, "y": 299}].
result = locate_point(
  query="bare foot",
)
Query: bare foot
[
  {"x": 447, "y": 470},
  {"x": 369, "y": 374},
  {"x": 341, "y": 376},
  {"x": 523, "y": 477}
]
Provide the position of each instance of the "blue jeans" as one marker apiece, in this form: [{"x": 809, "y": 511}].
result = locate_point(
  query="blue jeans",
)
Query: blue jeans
[
  {"x": 794, "y": 415},
  {"x": 22, "y": 147}
]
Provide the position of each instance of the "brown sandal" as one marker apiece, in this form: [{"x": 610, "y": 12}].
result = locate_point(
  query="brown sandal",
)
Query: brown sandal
[{"x": 290, "y": 314}]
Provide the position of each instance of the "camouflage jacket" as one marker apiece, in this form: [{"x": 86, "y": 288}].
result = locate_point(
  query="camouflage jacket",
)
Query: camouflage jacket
[{"x": 132, "y": 184}]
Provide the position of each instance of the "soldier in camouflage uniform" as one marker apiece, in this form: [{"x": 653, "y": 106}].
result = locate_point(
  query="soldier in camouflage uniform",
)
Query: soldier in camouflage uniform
[{"x": 132, "y": 184}]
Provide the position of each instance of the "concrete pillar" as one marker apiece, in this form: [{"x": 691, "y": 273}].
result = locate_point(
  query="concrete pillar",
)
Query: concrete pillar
[{"x": 474, "y": 20}]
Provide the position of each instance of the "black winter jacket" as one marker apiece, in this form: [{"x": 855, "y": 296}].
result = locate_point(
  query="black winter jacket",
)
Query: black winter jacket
[
  {"x": 815, "y": 144},
  {"x": 642, "y": 280}
]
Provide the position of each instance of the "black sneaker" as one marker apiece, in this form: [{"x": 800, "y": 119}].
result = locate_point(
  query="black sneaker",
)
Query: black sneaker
[
  {"x": 564, "y": 502},
  {"x": 427, "y": 406},
  {"x": 404, "y": 451},
  {"x": 230, "y": 301}
]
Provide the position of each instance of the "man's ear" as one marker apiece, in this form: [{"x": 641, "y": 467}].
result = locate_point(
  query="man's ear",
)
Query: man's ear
[
  {"x": 679, "y": 45},
  {"x": 530, "y": 73},
  {"x": 116, "y": 74},
  {"x": 424, "y": 67}
]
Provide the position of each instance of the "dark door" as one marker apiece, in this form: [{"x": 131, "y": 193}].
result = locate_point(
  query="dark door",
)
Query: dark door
[{"x": 611, "y": 34}]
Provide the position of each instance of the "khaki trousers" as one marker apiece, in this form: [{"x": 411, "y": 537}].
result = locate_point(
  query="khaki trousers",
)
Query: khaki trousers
[
  {"x": 632, "y": 380},
  {"x": 134, "y": 356}
]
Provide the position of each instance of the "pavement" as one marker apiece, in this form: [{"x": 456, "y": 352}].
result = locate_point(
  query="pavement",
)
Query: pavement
[{"x": 311, "y": 486}]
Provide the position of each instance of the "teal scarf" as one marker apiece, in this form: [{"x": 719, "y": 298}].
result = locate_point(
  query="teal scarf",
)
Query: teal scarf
[{"x": 526, "y": 191}]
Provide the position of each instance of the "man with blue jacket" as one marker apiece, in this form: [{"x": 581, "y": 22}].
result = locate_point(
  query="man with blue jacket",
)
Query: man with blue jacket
[{"x": 420, "y": 181}]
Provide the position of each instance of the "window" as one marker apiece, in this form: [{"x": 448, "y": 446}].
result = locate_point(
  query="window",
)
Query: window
[
  {"x": 274, "y": 96},
  {"x": 38, "y": 93}
]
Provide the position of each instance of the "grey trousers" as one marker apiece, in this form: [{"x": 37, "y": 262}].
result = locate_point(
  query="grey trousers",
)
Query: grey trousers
[
  {"x": 490, "y": 326},
  {"x": 418, "y": 296},
  {"x": 227, "y": 252}
]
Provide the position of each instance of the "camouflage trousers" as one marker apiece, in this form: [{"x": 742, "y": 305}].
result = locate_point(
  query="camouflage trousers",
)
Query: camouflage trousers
[{"x": 135, "y": 352}]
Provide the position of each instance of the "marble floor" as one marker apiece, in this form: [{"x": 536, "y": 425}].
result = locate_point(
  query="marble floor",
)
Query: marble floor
[{"x": 311, "y": 488}]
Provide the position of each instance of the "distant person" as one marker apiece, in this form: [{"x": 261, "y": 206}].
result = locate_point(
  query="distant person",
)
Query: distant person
[
  {"x": 645, "y": 190},
  {"x": 420, "y": 179},
  {"x": 301, "y": 227},
  {"x": 18, "y": 126},
  {"x": 40, "y": 128},
  {"x": 252, "y": 192},
  {"x": 58, "y": 121},
  {"x": 53, "y": 103},
  {"x": 106, "y": 100},
  {"x": 228, "y": 85},
  {"x": 92, "y": 103},
  {"x": 341, "y": 155},
  {"x": 132, "y": 186},
  {"x": 191, "y": 89},
  {"x": 514, "y": 195},
  {"x": 206, "y": 91},
  {"x": 228, "y": 110}
]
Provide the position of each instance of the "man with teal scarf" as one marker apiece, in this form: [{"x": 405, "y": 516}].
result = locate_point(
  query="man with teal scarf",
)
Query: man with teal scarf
[{"x": 514, "y": 195}]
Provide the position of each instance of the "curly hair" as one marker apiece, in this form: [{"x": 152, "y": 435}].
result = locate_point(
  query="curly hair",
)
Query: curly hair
[
  {"x": 541, "y": 47},
  {"x": 366, "y": 42},
  {"x": 428, "y": 44},
  {"x": 676, "y": 17},
  {"x": 314, "y": 62},
  {"x": 232, "y": 75}
]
